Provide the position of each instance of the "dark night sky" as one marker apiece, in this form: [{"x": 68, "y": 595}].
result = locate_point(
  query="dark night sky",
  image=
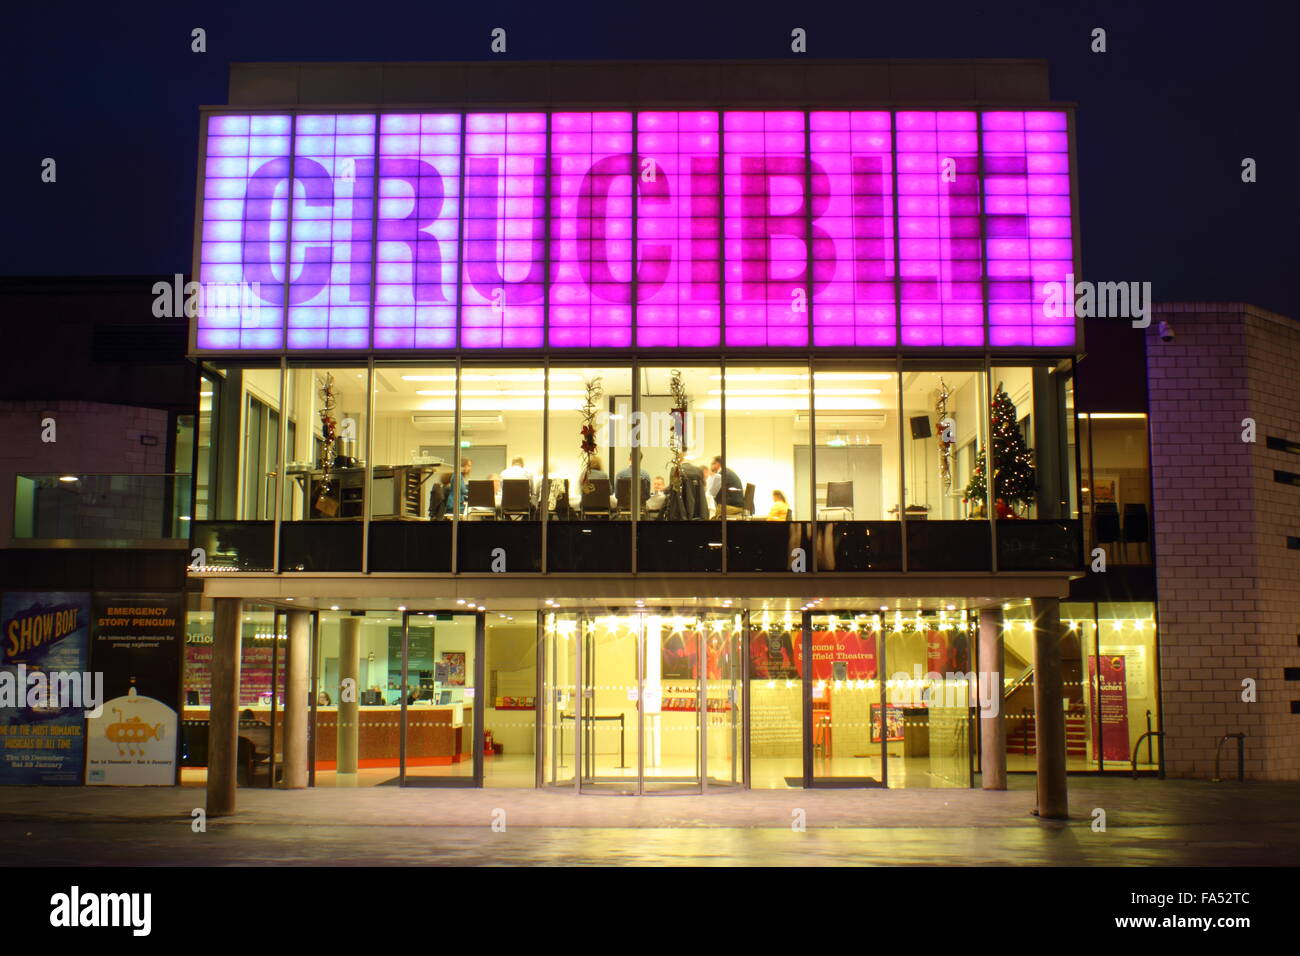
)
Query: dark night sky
[{"x": 1165, "y": 117}]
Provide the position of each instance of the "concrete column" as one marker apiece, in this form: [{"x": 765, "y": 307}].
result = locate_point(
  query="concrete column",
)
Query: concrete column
[
  {"x": 296, "y": 658},
  {"x": 223, "y": 714},
  {"x": 349, "y": 717},
  {"x": 1049, "y": 712},
  {"x": 993, "y": 726}
]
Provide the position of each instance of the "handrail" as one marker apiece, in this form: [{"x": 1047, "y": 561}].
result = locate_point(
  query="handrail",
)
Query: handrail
[
  {"x": 1019, "y": 682},
  {"x": 1137, "y": 745},
  {"x": 1241, "y": 757}
]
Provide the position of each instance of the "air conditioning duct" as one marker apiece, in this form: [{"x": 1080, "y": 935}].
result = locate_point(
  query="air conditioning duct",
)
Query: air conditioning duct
[
  {"x": 861, "y": 421},
  {"x": 484, "y": 423}
]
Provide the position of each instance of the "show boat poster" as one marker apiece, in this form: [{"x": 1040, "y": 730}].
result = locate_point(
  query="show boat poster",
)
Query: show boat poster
[
  {"x": 137, "y": 643},
  {"x": 42, "y": 633}
]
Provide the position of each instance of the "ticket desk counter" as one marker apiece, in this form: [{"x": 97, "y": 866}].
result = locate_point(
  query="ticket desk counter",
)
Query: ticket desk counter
[{"x": 435, "y": 735}]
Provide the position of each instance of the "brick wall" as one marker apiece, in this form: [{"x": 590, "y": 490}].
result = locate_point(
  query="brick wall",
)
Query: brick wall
[
  {"x": 1229, "y": 590},
  {"x": 92, "y": 438}
]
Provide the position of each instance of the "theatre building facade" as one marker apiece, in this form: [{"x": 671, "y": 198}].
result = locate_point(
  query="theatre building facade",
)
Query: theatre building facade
[{"x": 648, "y": 428}]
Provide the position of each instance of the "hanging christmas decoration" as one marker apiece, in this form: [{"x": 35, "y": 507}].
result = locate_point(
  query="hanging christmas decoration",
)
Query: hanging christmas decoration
[
  {"x": 946, "y": 430},
  {"x": 590, "y": 406}
]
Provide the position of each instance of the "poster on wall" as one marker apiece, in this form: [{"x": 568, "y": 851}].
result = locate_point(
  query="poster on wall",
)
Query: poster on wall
[
  {"x": 772, "y": 654},
  {"x": 1113, "y": 707},
  {"x": 45, "y": 686},
  {"x": 455, "y": 661},
  {"x": 136, "y": 642},
  {"x": 256, "y": 650},
  {"x": 680, "y": 659},
  {"x": 854, "y": 650},
  {"x": 894, "y": 725}
]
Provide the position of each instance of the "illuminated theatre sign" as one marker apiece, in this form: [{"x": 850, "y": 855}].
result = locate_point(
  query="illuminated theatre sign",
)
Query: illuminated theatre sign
[{"x": 635, "y": 230}]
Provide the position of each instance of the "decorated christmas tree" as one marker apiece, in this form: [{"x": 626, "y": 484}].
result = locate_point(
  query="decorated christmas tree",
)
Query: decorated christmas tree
[{"x": 1013, "y": 462}]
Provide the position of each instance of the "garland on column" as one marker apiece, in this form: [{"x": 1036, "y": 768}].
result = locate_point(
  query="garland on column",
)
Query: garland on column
[
  {"x": 590, "y": 406},
  {"x": 329, "y": 432},
  {"x": 677, "y": 436},
  {"x": 946, "y": 438}
]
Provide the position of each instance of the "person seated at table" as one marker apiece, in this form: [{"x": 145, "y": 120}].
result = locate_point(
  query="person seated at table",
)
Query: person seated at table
[
  {"x": 658, "y": 494},
  {"x": 517, "y": 470},
  {"x": 440, "y": 494},
  {"x": 466, "y": 467},
  {"x": 323, "y": 699},
  {"x": 627, "y": 472},
  {"x": 780, "y": 507},
  {"x": 594, "y": 470},
  {"x": 727, "y": 490}
]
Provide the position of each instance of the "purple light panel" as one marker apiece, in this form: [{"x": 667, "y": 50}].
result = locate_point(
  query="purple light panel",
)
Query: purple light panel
[{"x": 652, "y": 230}]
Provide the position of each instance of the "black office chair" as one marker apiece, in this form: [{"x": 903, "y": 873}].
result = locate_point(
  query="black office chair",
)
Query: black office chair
[
  {"x": 482, "y": 498},
  {"x": 623, "y": 493},
  {"x": 1137, "y": 529},
  {"x": 695, "y": 500},
  {"x": 839, "y": 497},
  {"x": 595, "y": 503},
  {"x": 1105, "y": 523},
  {"x": 516, "y": 498},
  {"x": 749, "y": 500}
]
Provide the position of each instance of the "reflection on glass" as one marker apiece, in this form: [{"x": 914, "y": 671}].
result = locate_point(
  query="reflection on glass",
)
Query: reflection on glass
[
  {"x": 776, "y": 701},
  {"x": 414, "y": 461},
  {"x": 439, "y": 695},
  {"x": 929, "y": 728},
  {"x": 510, "y": 707}
]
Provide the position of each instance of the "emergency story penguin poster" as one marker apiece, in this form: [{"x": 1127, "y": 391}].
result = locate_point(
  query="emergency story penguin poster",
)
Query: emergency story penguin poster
[
  {"x": 43, "y": 686},
  {"x": 137, "y": 644}
]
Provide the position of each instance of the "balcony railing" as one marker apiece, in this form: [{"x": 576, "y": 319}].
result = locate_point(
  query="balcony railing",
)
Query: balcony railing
[{"x": 102, "y": 510}]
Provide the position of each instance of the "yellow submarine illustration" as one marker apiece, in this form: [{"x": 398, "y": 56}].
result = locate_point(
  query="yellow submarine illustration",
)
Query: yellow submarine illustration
[{"x": 131, "y": 733}]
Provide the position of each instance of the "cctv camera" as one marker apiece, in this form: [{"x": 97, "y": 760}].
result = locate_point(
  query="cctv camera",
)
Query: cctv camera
[{"x": 1165, "y": 331}]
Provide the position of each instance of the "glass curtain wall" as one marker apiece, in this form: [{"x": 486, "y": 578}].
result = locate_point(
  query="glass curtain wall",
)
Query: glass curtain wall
[
  {"x": 851, "y": 483},
  {"x": 1116, "y": 490},
  {"x": 510, "y": 705},
  {"x": 411, "y": 477},
  {"x": 588, "y": 422},
  {"x": 678, "y": 436},
  {"x": 325, "y": 469},
  {"x": 498, "y": 484}
]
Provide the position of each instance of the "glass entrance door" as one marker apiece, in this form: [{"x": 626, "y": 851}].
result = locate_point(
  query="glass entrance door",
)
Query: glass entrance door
[
  {"x": 642, "y": 702},
  {"x": 438, "y": 676}
]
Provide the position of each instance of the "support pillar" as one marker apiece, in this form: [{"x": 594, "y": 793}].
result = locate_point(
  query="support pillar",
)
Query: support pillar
[
  {"x": 993, "y": 725},
  {"x": 223, "y": 713},
  {"x": 297, "y": 655},
  {"x": 349, "y": 694},
  {"x": 1049, "y": 711}
]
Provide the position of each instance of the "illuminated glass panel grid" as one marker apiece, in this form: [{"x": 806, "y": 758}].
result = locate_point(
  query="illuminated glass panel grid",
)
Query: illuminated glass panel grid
[
  {"x": 446, "y": 218},
  {"x": 941, "y": 297},
  {"x": 503, "y": 277},
  {"x": 242, "y": 231},
  {"x": 679, "y": 225},
  {"x": 854, "y": 294},
  {"x": 419, "y": 231},
  {"x": 765, "y": 238},
  {"x": 330, "y": 256},
  {"x": 591, "y": 230},
  {"x": 1027, "y": 182}
]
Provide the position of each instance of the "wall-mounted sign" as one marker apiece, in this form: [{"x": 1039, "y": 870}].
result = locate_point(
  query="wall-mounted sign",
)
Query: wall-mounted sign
[{"x": 693, "y": 229}]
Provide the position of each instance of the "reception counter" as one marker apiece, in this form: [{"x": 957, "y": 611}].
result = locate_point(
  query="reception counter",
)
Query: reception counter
[{"x": 434, "y": 736}]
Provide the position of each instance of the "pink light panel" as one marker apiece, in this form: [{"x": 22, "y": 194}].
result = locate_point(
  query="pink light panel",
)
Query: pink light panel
[{"x": 653, "y": 230}]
